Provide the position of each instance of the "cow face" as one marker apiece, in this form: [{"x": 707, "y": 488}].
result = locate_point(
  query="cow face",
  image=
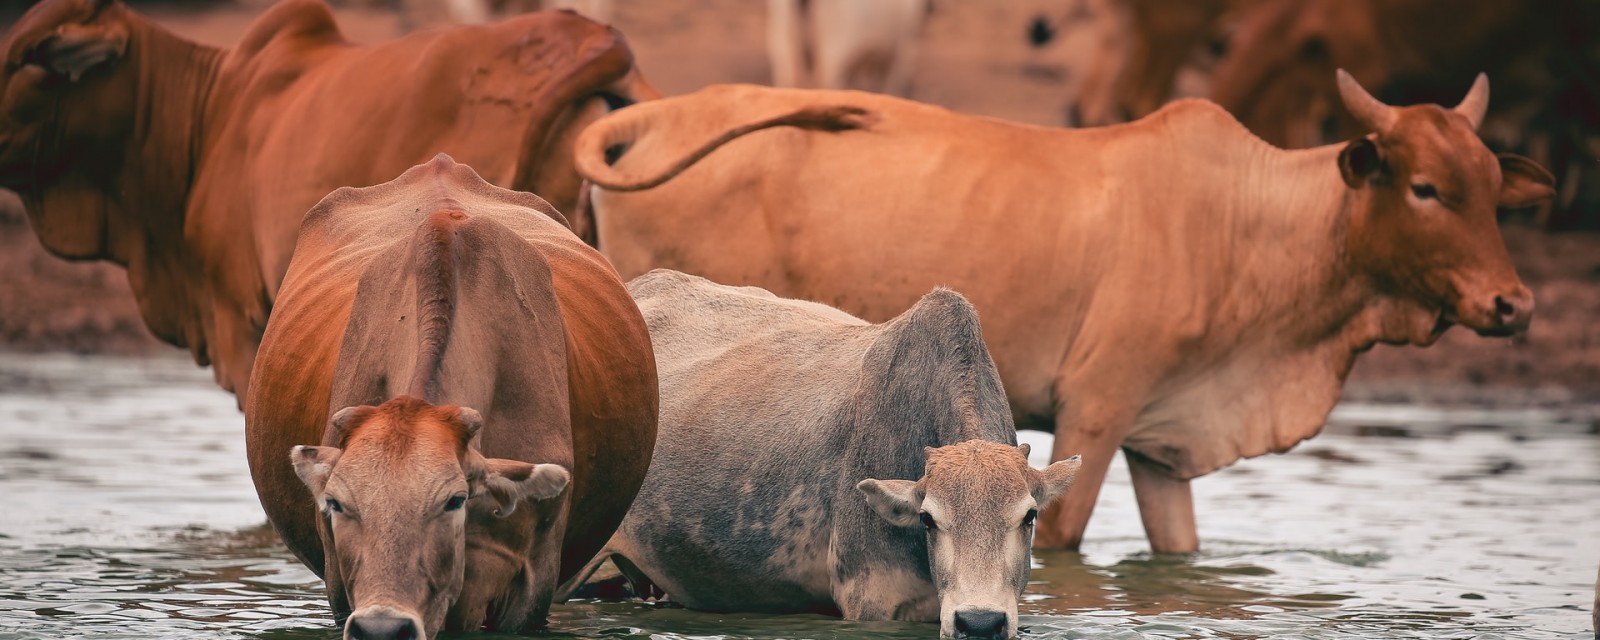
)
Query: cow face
[
  {"x": 977, "y": 502},
  {"x": 1427, "y": 229},
  {"x": 66, "y": 98},
  {"x": 395, "y": 506}
]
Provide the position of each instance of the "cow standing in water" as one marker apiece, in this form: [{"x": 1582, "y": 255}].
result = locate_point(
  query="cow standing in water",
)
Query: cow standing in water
[
  {"x": 192, "y": 165},
  {"x": 812, "y": 462},
  {"x": 474, "y": 355},
  {"x": 1173, "y": 287}
]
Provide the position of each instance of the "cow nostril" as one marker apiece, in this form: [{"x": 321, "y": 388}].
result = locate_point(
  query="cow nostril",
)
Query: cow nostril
[
  {"x": 980, "y": 624},
  {"x": 1503, "y": 309},
  {"x": 382, "y": 627}
]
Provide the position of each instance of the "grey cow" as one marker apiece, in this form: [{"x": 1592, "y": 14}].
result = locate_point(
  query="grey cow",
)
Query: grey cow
[{"x": 808, "y": 461}]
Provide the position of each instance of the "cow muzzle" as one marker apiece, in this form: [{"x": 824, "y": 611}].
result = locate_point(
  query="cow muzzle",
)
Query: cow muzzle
[
  {"x": 383, "y": 623},
  {"x": 1502, "y": 315},
  {"x": 986, "y": 624}
]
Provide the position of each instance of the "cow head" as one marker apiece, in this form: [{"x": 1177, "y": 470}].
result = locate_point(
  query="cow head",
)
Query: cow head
[
  {"x": 977, "y": 501},
  {"x": 67, "y": 101},
  {"x": 1428, "y": 190},
  {"x": 396, "y": 498}
]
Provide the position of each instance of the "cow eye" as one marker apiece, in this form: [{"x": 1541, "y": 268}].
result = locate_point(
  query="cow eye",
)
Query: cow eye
[
  {"x": 455, "y": 502},
  {"x": 1027, "y": 520},
  {"x": 333, "y": 505},
  {"x": 927, "y": 521},
  {"x": 1424, "y": 191}
]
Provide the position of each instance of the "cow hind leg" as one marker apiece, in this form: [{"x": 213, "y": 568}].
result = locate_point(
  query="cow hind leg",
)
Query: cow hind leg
[{"x": 1165, "y": 505}]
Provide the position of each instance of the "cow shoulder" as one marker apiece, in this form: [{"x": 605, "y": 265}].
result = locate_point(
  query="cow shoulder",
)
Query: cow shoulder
[
  {"x": 929, "y": 369},
  {"x": 1199, "y": 117}
]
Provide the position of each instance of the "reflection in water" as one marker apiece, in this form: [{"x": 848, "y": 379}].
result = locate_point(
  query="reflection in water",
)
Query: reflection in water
[{"x": 128, "y": 512}]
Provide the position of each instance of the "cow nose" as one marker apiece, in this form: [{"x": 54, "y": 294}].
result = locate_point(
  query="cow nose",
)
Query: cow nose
[
  {"x": 980, "y": 623},
  {"x": 381, "y": 626},
  {"x": 1514, "y": 312}
]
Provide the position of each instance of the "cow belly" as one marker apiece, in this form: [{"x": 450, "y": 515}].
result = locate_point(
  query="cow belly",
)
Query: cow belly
[
  {"x": 746, "y": 558},
  {"x": 1259, "y": 402}
]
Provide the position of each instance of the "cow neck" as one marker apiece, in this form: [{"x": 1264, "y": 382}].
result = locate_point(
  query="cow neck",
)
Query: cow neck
[{"x": 1298, "y": 269}]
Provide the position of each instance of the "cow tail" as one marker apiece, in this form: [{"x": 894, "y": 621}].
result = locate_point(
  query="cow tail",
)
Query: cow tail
[
  {"x": 598, "y": 68},
  {"x": 603, "y": 142}
]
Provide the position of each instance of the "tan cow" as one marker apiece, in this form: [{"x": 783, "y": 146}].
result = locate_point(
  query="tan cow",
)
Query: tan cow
[
  {"x": 427, "y": 307},
  {"x": 192, "y": 166},
  {"x": 1174, "y": 286}
]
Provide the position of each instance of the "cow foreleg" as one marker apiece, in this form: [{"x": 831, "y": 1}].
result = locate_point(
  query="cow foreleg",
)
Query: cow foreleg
[
  {"x": 1165, "y": 505},
  {"x": 1062, "y": 523}
]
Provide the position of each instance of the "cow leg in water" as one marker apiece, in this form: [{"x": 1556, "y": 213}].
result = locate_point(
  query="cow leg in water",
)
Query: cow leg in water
[
  {"x": 1165, "y": 506},
  {"x": 1096, "y": 438},
  {"x": 544, "y": 565},
  {"x": 886, "y": 593}
]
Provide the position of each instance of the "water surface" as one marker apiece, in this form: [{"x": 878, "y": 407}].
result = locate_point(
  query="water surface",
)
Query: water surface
[{"x": 126, "y": 510}]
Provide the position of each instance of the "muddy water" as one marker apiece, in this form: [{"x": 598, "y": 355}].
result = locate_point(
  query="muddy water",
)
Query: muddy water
[{"x": 126, "y": 511}]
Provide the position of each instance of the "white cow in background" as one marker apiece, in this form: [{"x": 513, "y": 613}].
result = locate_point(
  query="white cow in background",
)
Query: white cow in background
[
  {"x": 845, "y": 44},
  {"x": 419, "y": 14}
]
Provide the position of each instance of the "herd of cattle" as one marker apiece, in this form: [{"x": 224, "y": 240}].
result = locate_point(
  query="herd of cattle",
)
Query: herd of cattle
[{"x": 484, "y": 393}]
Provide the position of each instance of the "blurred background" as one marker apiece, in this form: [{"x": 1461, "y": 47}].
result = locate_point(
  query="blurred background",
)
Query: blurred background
[{"x": 1083, "y": 63}]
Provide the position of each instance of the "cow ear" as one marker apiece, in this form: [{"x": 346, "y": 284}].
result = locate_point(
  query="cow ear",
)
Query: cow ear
[
  {"x": 75, "y": 49},
  {"x": 313, "y": 465},
  {"x": 1055, "y": 479},
  {"x": 508, "y": 482},
  {"x": 897, "y": 501},
  {"x": 1359, "y": 161},
  {"x": 1524, "y": 183}
]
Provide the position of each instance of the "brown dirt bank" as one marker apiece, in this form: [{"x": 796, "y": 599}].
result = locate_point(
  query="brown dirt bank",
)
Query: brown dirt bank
[{"x": 975, "y": 60}]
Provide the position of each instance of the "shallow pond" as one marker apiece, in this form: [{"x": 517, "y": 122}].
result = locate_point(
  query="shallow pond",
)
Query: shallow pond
[{"x": 127, "y": 511}]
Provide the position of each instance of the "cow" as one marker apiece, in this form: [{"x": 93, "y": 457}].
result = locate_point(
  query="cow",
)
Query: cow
[
  {"x": 811, "y": 462},
  {"x": 192, "y": 166},
  {"x": 472, "y": 352},
  {"x": 1173, "y": 286},
  {"x": 1134, "y": 55},
  {"x": 845, "y": 44}
]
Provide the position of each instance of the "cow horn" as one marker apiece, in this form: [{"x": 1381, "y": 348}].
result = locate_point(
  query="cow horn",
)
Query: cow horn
[
  {"x": 1477, "y": 101},
  {"x": 342, "y": 417},
  {"x": 1366, "y": 109},
  {"x": 471, "y": 419}
]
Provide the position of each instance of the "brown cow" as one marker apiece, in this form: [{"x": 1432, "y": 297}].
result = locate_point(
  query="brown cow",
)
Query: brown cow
[
  {"x": 443, "y": 287},
  {"x": 1173, "y": 286},
  {"x": 1136, "y": 52},
  {"x": 192, "y": 166}
]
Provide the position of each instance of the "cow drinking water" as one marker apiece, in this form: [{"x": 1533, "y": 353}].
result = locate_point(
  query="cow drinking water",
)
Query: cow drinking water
[
  {"x": 812, "y": 462},
  {"x": 504, "y": 404}
]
